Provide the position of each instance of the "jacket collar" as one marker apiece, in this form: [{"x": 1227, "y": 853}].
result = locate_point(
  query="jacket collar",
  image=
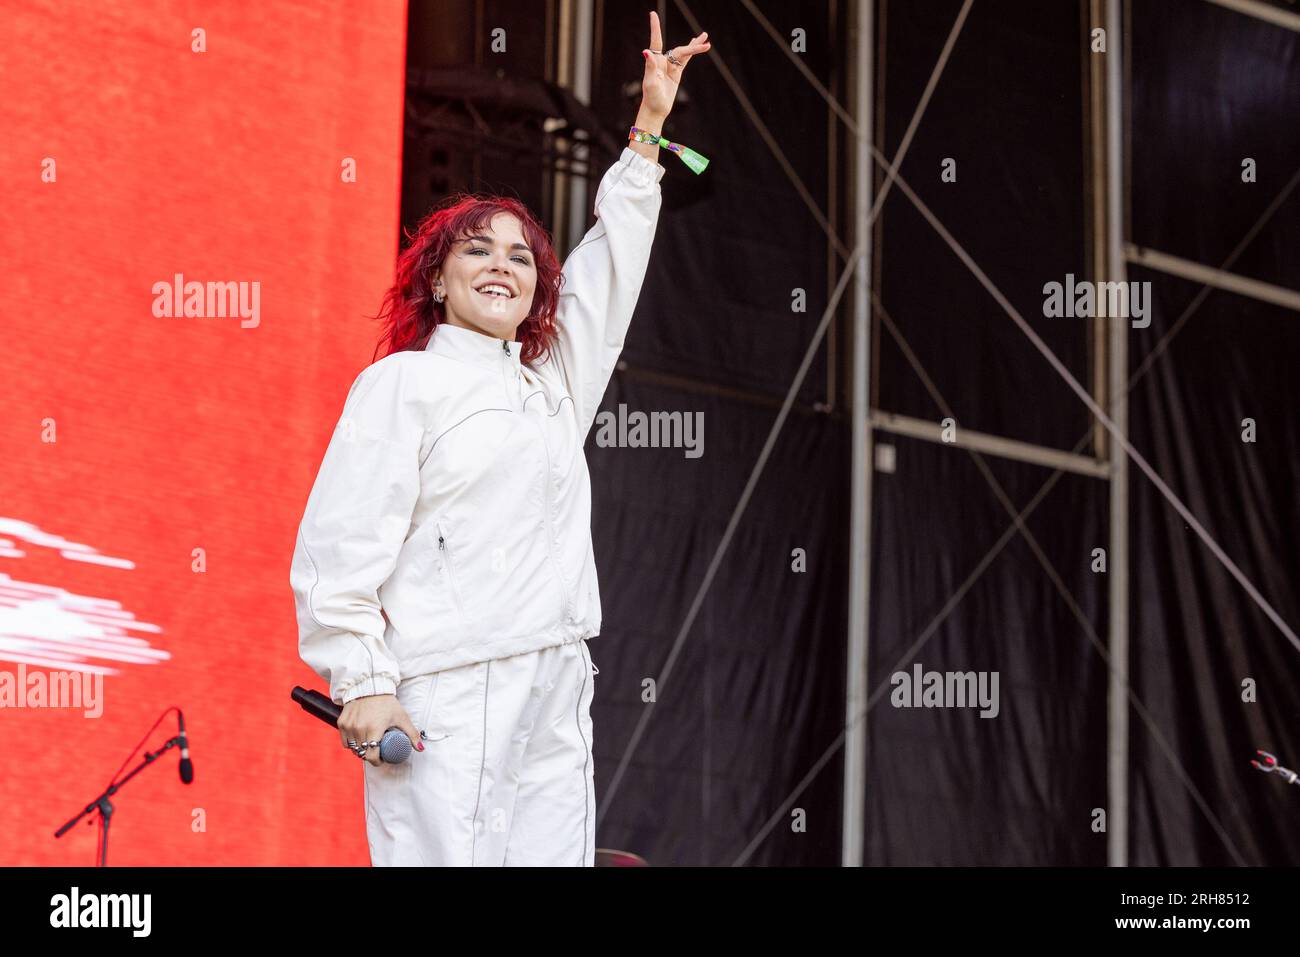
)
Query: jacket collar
[{"x": 467, "y": 345}]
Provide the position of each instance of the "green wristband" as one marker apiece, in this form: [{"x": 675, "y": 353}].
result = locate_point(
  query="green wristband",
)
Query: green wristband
[{"x": 694, "y": 161}]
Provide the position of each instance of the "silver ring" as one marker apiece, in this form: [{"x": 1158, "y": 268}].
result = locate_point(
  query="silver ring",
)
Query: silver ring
[
  {"x": 673, "y": 60},
  {"x": 371, "y": 744}
]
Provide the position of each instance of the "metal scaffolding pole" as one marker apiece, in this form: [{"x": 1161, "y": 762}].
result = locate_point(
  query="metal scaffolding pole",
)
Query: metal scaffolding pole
[
  {"x": 581, "y": 21},
  {"x": 1262, "y": 11},
  {"x": 1218, "y": 278},
  {"x": 1012, "y": 449},
  {"x": 853, "y": 845},
  {"x": 1117, "y": 817}
]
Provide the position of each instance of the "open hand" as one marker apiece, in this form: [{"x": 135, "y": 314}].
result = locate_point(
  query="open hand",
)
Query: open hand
[{"x": 662, "y": 75}]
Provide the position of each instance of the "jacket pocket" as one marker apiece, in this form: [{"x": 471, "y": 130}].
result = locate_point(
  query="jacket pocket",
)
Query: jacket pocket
[
  {"x": 422, "y": 725},
  {"x": 449, "y": 569},
  {"x": 591, "y": 665}
]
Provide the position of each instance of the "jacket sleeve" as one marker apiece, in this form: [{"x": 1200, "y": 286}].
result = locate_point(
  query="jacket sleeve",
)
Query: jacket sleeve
[
  {"x": 602, "y": 281},
  {"x": 357, "y": 517}
]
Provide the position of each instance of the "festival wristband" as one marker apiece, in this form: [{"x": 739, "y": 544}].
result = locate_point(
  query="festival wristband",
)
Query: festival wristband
[{"x": 692, "y": 159}]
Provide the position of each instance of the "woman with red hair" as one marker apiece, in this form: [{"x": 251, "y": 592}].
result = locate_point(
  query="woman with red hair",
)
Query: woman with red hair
[{"x": 443, "y": 572}]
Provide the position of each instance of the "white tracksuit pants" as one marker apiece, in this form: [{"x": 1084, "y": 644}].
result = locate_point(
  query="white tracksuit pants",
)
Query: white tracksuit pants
[{"x": 506, "y": 776}]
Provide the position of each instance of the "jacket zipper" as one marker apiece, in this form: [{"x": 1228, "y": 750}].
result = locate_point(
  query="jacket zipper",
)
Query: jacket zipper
[
  {"x": 451, "y": 572},
  {"x": 512, "y": 389},
  {"x": 550, "y": 545}
]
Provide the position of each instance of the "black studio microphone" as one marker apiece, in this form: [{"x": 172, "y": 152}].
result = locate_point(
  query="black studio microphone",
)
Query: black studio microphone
[{"x": 187, "y": 769}]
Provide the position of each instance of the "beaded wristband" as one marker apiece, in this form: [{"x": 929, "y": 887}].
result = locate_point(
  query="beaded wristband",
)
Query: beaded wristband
[{"x": 692, "y": 159}]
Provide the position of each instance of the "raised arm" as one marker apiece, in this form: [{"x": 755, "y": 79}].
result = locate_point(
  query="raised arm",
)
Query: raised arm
[
  {"x": 603, "y": 274},
  {"x": 356, "y": 520},
  {"x": 602, "y": 281}
]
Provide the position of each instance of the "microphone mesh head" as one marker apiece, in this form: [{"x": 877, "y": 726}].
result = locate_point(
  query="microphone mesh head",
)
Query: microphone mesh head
[{"x": 394, "y": 747}]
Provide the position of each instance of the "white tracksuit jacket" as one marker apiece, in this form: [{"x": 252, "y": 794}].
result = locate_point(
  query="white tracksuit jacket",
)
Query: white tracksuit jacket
[{"x": 450, "y": 521}]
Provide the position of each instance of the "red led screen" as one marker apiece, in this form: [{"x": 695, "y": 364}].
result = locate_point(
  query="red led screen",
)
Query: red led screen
[{"x": 240, "y": 160}]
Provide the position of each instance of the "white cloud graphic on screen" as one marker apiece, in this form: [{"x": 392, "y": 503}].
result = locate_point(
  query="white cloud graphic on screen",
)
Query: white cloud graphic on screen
[{"x": 54, "y": 628}]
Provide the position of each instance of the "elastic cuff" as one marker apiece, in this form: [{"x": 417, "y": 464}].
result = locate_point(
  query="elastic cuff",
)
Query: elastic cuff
[
  {"x": 641, "y": 171},
  {"x": 379, "y": 684}
]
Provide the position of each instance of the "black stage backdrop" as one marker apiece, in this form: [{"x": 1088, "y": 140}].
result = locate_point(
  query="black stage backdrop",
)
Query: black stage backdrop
[
  {"x": 1210, "y": 89},
  {"x": 754, "y": 709},
  {"x": 946, "y": 786},
  {"x": 757, "y": 694}
]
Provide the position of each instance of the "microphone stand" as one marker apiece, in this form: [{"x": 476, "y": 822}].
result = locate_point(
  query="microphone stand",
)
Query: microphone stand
[{"x": 105, "y": 806}]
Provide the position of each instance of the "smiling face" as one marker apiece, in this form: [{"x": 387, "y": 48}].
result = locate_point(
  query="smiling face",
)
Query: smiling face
[{"x": 497, "y": 257}]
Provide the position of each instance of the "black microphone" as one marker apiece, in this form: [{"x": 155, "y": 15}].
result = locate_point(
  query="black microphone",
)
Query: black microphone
[
  {"x": 187, "y": 769},
  {"x": 394, "y": 747}
]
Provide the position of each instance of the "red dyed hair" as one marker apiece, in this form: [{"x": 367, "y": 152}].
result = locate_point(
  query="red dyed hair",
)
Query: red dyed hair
[{"x": 410, "y": 315}]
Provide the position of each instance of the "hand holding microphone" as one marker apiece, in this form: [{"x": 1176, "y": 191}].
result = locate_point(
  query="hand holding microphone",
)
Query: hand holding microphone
[
  {"x": 368, "y": 721},
  {"x": 375, "y": 727}
]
